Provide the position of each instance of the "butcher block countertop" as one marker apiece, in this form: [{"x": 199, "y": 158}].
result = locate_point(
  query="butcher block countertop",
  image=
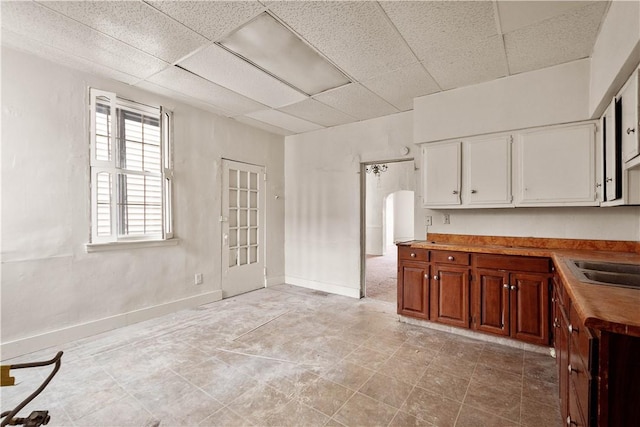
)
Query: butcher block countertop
[{"x": 606, "y": 308}]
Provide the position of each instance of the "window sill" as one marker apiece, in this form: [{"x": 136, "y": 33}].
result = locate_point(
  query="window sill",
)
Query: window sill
[{"x": 115, "y": 246}]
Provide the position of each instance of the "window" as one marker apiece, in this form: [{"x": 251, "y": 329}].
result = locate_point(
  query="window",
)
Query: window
[{"x": 131, "y": 170}]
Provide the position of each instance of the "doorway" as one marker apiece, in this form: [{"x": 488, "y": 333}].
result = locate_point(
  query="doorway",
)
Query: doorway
[
  {"x": 387, "y": 218},
  {"x": 242, "y": 221}
]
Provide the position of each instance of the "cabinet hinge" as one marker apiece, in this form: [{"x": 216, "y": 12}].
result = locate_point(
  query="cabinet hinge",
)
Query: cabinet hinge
[
  {"x": 511, "y": 139},
  {"x": 265, "y": 272}
]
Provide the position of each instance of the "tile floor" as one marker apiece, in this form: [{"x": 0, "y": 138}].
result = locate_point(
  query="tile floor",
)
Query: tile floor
[
  {"x": 381, "y": 276},
  {"x": 287, "y": 356}
]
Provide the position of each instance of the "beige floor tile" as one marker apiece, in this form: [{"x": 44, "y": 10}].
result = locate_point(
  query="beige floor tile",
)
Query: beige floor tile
[
  {"x": 460, "y": 367},
  {"x": 433, "y": 408},
  {"x": 122, "y": 413},
  {"x": 536, "y": 414},
  {"x": 389, "y": 390},
  {"x": 367, "y": 358},
  {"x": 543, "y": 392},
  {"x": 472, "y": 417},
  {"x": 257, "y": 403},
  {"x": 192, "y": 408},
  {"x": 362, "y": 410},
  {"x": 402, "y": 369},
  {"x": 325, "y": 396},
  {"x": 415, "y": 353},
  {"x": 491, "y": 376},
  {"x": 224, "y": 418},
  {"x": 444, "y": 383},
  {"x": 402, "y": 419},
  {"x": 296, "y": 413},
  {"x": 496, "y": 399}
]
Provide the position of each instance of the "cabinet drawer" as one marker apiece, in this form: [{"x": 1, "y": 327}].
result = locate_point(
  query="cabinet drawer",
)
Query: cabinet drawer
[
  {"x": 417, "y": 254},
  {"x": 512, "y": 262},
  {"x": 576, "y": 415},
  {"x": 582, "y": 341},
  {"x": 450, "y": 257}
]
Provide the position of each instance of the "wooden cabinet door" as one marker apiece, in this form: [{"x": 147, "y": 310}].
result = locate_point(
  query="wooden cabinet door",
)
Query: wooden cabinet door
[
  {"x": 561, "y": 328},
  {"x": 490, "y": 296},
  {"x": 450, "y": 295},
  {"x": 413, "y": 289},
  {"x": 441, "y": 174},
  {"x": 530, "y": 307},
  {"x": 629, "y": 119},
  {"x": 487, "y": 177},
  {"x": 612, "y": 153},
  {"x": 557, "y": 166}
]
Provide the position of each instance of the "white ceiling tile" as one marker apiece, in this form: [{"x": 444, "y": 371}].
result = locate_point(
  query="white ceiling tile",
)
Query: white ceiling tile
[
  {"x": 356, "y": 36},
  {"x": 264, "y": 126},
  {"x": 53, "y": 54},
  {"x": 561, "y": 39},
  {"x": 317, "y": 112},
  {"x": 196, "y": 87},
  {"x": 471, "y": 64},
  {"x": 357, "y": 101},
  {"x": 434, "y": 27},
  {"x": 177, "y": 96},
  {"x": 285, "y": 121},
  {"x": 520, "y": 14},
  {"x": 212, "y": 19},
  {"x": 226, "y": 69},
  {"x": 135, "y": 23},
  {"x": 29, "y": 19},
  {"x": 401, "y": 86}
]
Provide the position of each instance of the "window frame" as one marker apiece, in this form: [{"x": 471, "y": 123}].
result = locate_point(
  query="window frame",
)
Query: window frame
[{"x": 112, "y": 168}]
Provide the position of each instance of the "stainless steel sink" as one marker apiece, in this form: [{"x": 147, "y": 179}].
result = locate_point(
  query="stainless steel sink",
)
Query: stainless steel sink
[{"x": 606, "y": 273}]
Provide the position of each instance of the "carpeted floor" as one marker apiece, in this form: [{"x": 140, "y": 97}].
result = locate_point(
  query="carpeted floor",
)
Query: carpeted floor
[{"x": 381, "y": 276}]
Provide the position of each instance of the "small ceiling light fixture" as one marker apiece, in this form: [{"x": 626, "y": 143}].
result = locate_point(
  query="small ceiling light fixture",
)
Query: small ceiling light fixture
[
  {"x": 376, "y": 169},
  {"x": 267, "y": 44}
]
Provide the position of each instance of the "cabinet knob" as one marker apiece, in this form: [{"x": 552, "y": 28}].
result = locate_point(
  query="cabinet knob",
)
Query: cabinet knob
[
  {"x": 571, "y": 369},
  {"x": 450, "y": 258},
  {"x": 426, "y": 276},
  {"x": 608, "y": 180},
  {"x": 598, "y": 185},
  {"x": 630, "y": 131},
  {"x": 506, "y": 286},
  {"x": 455, "y": 191},
  {"x": 570, "y": 422},
  {"x": 572, "y": 329},
  {"x": 555, "y": 323},
  {"x": 413, "y": 255},
  {"x": 436, "y": 278},
  {"x": 474, "y": 191},
  {"x": 514, "y": 287}
]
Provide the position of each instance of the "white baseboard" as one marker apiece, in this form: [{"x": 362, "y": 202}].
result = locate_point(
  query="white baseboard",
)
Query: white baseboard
[
  {"x": 272, "y": 281},
  {"x": 27, "y": 345},
  {"x": 324, "y": 287}
]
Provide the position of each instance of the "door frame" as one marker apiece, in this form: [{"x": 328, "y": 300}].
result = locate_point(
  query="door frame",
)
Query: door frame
[{"x": 363, "y": 213}]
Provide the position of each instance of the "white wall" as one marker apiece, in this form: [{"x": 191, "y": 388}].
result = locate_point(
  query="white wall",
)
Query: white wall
[
  {"x": 552, "y": 95},
  {"x": 322, "y": 198},
  {"x": 403, "y": 211},
  {"x": 399, "y": 176},
  {"x": 51, "y": 288},
  {"x": 615, "y": 54}
]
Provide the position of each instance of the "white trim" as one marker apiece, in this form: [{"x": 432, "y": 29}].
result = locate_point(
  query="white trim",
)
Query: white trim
[
  {"x": 27, "y": 345},
  {"x": 124, "y": 244},
  {"x": 324, "y": 287}
]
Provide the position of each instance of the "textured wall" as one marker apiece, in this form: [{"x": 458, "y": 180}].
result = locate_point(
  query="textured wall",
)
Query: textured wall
[{"x": 49, "y": 282}]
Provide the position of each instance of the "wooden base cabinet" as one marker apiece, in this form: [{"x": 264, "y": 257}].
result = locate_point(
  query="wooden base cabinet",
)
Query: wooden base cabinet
[
  {"x": 450, "y": 295},
  {"x": 413, "y": 282}
]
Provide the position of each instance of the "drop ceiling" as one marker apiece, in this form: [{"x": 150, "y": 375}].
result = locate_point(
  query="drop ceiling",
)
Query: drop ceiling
[{"x": 390, "y": 52}]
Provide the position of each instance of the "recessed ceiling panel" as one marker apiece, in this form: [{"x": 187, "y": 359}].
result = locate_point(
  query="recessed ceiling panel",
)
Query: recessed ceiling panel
[
  {"x": 469, "y": 65},
  {"x": 18, "y": 42},
  {"x": 264, "y": 126},
  {"x": 196, "y": 87},
  {"x": 181, "y": 97},
  {"x": 520, "y": 14},
  {"x": 561, "y": 39},
  {"x": 317, "y": 112},
  {"x": 41, "y": 24},
  {"x": 277, "y": 50},
  {"x": 434, "y": 27},
  {"x": 356, "y": 36},
  {"x": 357, "y": 101},
  {"x": 224, "y": 68},
  {"x": 285, "y": 121},
  {"x": 399, "y": 87},
  {"x": 135, "y": 23},
  {"x": 212, "y": 19}
]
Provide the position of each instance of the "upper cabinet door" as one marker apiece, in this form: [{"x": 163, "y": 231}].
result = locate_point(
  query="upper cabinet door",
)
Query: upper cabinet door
[
  {"x": 441, "y": 174},
  {"x": 487, "y": 172},
  {"x": 556, "y": 166},
  {"x": 629, "y": 118}
]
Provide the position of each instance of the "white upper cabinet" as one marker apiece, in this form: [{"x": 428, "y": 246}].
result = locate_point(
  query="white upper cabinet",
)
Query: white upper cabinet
[
  {"x": 441, "y": 174},
  {"x": 628, "y": 98},
  {"x": 556, "y": 166},
  {"x": 487, "y": 172},
  {"x": 612, "y": 161}
]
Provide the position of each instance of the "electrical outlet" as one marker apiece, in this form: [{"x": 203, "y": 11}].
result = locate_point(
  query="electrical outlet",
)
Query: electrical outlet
[
  {"x": 198, "y": 279},
  {"x": 446, "y": 219},
  {"x": 427, "y": 220}
]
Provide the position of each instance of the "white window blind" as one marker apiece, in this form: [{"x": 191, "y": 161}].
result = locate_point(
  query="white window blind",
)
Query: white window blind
[{"x": 131, "y": 170}]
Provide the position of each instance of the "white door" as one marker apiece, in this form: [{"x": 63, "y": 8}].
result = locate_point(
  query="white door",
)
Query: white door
[{"x": 243, "y": 224}]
